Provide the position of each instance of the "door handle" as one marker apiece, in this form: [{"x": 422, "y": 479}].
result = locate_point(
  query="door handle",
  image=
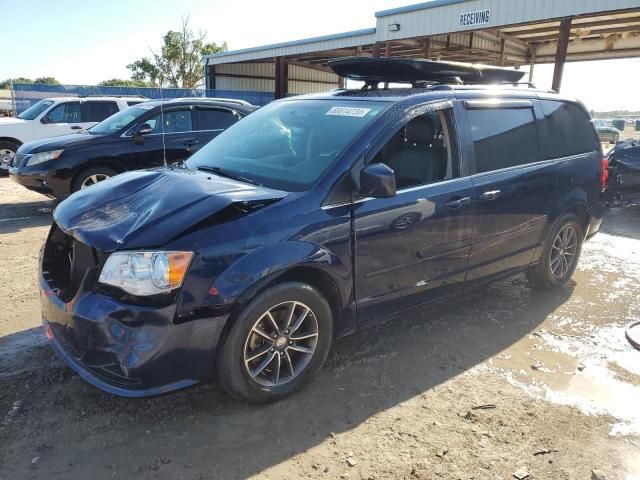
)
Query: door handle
[
  {"x": 190, "y": 143},
  {"x": 490, "y": 195},
  {"x": 458, "y": 202},
  {"x": 76, "y": 127}
]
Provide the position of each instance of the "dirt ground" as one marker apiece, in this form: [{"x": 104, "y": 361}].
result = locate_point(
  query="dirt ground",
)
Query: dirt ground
[{"x": 507, "y": 382}]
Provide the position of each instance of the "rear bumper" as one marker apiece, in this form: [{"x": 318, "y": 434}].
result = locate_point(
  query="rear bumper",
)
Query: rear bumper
[
  {"x": 127, "y": 350},
  {"x": 596, "y": 214}
]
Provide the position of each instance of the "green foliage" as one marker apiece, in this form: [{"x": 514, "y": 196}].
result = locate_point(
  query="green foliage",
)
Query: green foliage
[
  {"x": 119, "y": 82},
  {"x": 47, "y": 80},
  {"x": 179, "y": 62},
  {"x": 7, "y": 83}
]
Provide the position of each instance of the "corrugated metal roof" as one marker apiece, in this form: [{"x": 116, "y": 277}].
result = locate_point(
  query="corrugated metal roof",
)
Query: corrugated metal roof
[
  {"x": 417, "y": 6},
  {"x": 521, "y": 26},
  {"x": 304, "y": 41}
]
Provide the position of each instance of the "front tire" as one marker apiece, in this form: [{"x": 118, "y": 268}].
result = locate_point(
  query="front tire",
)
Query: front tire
[
  {"x": 278, "y": 341},
  {"x": 560, "y": 254},
  {"x": 91, "y": 176},
  {"x": 7, "y": 152}
]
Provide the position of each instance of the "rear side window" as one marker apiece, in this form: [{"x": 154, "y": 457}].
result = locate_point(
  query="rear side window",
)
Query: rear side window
[
  {"x": 503, "y": 137},
  {"x": 566, "y": 130},
  {"x": 98, "y": 111},
  {"x": 215, "y": 119}
]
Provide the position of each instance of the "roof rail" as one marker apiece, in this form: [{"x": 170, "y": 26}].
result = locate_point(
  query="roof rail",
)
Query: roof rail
[
  {"x": 113, "y": 96},
  {"x": 213, "y": 99}
]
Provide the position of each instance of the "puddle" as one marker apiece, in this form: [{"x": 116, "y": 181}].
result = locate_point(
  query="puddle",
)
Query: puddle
[{"x": 579, "y": 356}]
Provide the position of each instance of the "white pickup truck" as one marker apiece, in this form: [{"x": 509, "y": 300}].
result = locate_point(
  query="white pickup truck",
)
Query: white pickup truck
[{"x": 52, "y": 117}]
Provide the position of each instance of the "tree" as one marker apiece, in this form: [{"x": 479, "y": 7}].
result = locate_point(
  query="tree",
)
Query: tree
[
  {"x": 179, "y": 63},
  {"x": 47, "y": 80},
  {"x": 119, "y": 82},
  {"x": 7, "y": 83}
]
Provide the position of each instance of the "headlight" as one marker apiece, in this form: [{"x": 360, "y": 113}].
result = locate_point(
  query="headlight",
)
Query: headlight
[
  {"x": 44, "y": 157},
  {"x": 146, "y": 273}
]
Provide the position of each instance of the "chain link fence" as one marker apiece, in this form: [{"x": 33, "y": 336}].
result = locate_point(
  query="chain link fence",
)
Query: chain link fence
[{"x": 26, "y": 94}]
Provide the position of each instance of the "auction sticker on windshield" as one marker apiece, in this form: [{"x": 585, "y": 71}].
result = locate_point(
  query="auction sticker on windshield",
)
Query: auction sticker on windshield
[{"x": 348, "y": 111}]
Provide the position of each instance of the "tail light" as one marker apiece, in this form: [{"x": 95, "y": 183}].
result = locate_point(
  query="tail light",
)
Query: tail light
[{"x": 604, "y": 176}]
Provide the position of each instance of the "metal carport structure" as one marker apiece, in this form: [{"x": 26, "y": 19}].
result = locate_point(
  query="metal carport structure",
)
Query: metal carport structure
[{"x": 509, "y": 33}]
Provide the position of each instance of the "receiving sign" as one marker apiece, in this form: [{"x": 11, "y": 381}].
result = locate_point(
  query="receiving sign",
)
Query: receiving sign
[{"x": 472, "y": 19}]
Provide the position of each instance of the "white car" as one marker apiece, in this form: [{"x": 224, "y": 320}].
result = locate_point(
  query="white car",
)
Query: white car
[{"x": 52, "y": 117}]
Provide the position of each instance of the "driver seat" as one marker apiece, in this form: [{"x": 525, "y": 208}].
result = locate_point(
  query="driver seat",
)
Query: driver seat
[{"x": 415, "y": 163}]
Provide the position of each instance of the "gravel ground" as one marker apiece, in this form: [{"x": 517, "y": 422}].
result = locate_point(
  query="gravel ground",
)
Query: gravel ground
[{"x": 506, "y": 382}]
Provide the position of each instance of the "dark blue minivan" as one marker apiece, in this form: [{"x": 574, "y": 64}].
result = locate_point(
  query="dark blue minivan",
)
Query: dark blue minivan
[{"x": 309, "y": 219}]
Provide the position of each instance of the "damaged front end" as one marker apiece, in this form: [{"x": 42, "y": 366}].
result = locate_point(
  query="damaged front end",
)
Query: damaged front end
[
  {"x": 624, "y": 168},
  {"x": 126, "y": 344}
]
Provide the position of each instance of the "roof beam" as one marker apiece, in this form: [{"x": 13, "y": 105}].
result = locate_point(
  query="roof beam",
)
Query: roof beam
[{"x": 575, "y": 26}]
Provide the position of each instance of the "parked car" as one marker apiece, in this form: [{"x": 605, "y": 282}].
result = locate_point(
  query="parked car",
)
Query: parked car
[
  {"x": 606, "y": 131},
  {"x": 624, "y": 168},
  {"x": 282, "y": 233},
  {"x": 52, "y": 117},
  {"x": 146, "y": 135}
]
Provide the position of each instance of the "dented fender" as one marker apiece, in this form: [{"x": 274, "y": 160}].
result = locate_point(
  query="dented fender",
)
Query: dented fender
[{"x": 255, "y": 269}]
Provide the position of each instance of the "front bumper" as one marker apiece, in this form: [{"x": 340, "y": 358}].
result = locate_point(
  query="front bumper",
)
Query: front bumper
[
  {"x": 126, "y": 350},
  {"x": 36, "y": 182}
]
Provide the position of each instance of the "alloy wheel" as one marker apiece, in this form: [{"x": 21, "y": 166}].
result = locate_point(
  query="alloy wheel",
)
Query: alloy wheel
[
  {"x": 93, "y": 179},
  {"x": 563, "y": 251},
  {"x": 6, "y": 155},
  {"x": 281, "y": 344}
]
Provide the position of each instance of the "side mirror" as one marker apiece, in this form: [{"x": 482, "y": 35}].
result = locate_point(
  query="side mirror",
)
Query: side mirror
[
  {"x": 46, "y": 120},
  {"x": 140, "y": 130},
  {"x": 378, "y": 181}
]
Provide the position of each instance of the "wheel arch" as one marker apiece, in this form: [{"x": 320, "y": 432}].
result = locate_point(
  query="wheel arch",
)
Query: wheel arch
[
  {"x": 12, "y": 140},
  {"x": 96, "y": 164},
  {"x": 308, "y": 263},
  {"x": 580, "y": 210}
]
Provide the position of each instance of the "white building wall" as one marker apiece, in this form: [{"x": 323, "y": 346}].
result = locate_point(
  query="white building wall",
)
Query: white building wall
[{"x": 446, "y": 18}]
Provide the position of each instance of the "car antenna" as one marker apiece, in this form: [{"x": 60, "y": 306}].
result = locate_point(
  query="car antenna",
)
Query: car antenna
[{"x": 164, "y": 146}]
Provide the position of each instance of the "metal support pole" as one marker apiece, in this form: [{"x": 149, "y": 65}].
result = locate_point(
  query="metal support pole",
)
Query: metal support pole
[
  {"x": 561, "y": 53},
  {"x": 427, "y": 48},
  {"x": 212, "y": 77},
  {"x": 387, "y": 53},
  {"x": 13, "y": 98},
  {"x": 533, "y": 63},
  {"x": 281, "y": 77},
  {"x": 502, "y": 51}
]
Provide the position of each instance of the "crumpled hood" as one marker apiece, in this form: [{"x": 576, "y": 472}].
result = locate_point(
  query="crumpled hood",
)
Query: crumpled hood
[{"x": 148, "y": 208}]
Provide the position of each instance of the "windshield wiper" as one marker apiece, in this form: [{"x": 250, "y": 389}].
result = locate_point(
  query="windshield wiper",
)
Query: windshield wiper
[{"x": 223, "y": 172}]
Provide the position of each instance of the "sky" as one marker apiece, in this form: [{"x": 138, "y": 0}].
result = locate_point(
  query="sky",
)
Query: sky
[{"x": 87, "y": 42}]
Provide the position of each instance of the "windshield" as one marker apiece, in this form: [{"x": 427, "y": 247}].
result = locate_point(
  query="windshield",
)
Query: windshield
[
  {"x": 287, "y": 145},
  {"x": 600, "y": 123},
  {"x": 34, "y": 110},
  {"x": 119, "y": 120}
]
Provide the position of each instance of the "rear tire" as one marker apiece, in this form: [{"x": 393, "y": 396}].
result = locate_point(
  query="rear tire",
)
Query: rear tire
[
  {"x": 91, "y": 176},
  {"x": 560, "y": 254},
  {"x": 263, "y": 356}
]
